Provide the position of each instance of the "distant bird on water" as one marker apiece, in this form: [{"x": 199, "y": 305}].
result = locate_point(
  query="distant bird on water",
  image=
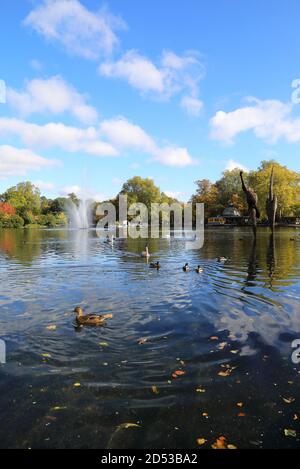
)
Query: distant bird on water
[
  {"x": 146, "y": 252},
  {"x": 186, "y": 268}
]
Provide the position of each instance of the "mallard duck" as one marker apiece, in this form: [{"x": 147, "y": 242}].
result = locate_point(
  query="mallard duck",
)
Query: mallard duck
[
  {"x": 146, "y": 252},
  {"x": 90, "y": 319},
  {"x": 199, "y": 269},
  {"x": 154, "y": 265},
  {"x": 222, "y": 259},
  {"x": 186, "y": 268}
]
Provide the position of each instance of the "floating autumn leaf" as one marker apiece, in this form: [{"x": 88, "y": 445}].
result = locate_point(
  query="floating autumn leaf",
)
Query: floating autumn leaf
[
  {"x": 103, "y": 344},
  {"x": 220, "y": 443},
  {"x": 51, "y": 327},
  {"x": 289, "y": 400},
  {"x": 200, "y": 390},
  {"x": 224, "y": 373},
  {"x": 46, "y": 355},
  {"x": 77, "y": 385},
  {"x": 234, "y": 351},
  {"x": 222, "y": 345},
  {"x": 58, "y": 407},
  {"x": 155, "y": 389},
  {"x": 201, "y": 441},
  {"x": 241, "y": 414},
  {"x": 177, "y": 373},
  {"x": 214, "y": 337},
  {"x": 51, "y": 418},
  {"x": 142, "y": 341},
  {"x": 128, "y": 425},
  {"x": 290, "y": 432}
]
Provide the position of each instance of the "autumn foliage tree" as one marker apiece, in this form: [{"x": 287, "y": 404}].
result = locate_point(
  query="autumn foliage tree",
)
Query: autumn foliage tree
[{"x": 7, "y": 208}]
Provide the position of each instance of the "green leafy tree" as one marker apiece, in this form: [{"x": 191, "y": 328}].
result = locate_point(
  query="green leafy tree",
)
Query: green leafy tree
[
  {"x": 24, "y": 197},
  {"x": 286, "y": 187}
]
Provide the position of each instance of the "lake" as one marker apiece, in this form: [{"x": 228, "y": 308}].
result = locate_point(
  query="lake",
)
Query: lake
[{"x": 228, "y": 331}]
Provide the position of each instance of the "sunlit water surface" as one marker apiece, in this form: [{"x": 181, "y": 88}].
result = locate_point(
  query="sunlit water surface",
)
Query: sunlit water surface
[{"x": 237, "y": 318}]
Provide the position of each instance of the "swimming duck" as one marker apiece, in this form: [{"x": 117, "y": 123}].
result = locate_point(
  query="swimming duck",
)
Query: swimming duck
[
  {"x": 154, "y": 265},
  {"x": 199, "y": 269},
  {"x": 146, "y": 252},
  {"x": 222, "y": 259},
  {"x": 90, "y": 319},
  {"x": 186, "y": 268}
]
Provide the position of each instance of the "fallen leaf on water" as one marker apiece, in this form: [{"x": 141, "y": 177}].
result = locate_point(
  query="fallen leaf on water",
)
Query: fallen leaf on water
[
  {"x": 241, "y": 414},
  {"x": 51, "y": 327},
  {"x": 224, "y": 373},
  {"x": 201, "y": 441},
  {"x": 128, "y": 425},
  {"x": 222, "y": 345},
  {"x": 179, "y": 372},
  {"x": 290, "y": 432},
  {"x": 239, "y": 404},
  {"x": 46, "y": 355},
  {"x": 295, "y": 417},
  {"x": 155, "y": 389},
  {"x": 220, "y": 443},
  {"x": 234, "y": 351},
  {"x": 288, "y": 400},
  {"x": 103, "y": 344},
  {"x": 142, "y": 341},
  {"x": 51, "y": 418},
  {"x": 214, "y": 337},
  {"x": 200, "y": 390},
  {"x": 57, "y": 407},
  {"x": 77, "y": 385}
]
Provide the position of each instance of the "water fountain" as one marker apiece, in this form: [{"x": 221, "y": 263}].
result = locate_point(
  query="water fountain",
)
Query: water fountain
[{"x": 80, "y": 215}]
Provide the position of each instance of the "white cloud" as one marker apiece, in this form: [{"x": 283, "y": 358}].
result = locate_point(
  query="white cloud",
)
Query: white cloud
[
  {"x": 173, "y": 74},
  {"x": 124, "y": 134},
  {"x": 176, "y": 194},
  {"x": 80, "y": 31},
  {"x": 44, "y": 185},
  {"x": 83, "y": 192},
  {"x": 71, "y": 139},
  {"x": 231, "y": 165},
  {"x": 140, "y": 72},
  {"x": 52, "y": 95},
  {"x": 191, "y": 105},
  {"x": 270, "y": 121},
  {"x": 173, "y": 156},
  {"x": 107, "y": 139},
  {"x": 18, "y": 161}
]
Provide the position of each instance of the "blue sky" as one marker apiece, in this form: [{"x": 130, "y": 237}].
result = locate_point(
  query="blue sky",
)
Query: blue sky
[{"x": 174, "y": 90}]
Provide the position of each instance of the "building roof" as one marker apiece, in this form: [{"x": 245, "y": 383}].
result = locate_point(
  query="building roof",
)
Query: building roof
[{"x": 231, "y": 211}]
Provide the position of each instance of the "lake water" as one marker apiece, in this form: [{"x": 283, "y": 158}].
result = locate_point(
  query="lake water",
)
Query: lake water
[{"x": 237, "y": 318}]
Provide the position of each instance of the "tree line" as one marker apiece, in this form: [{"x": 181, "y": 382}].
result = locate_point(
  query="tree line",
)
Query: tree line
[{"x": 23, "y": 204}]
